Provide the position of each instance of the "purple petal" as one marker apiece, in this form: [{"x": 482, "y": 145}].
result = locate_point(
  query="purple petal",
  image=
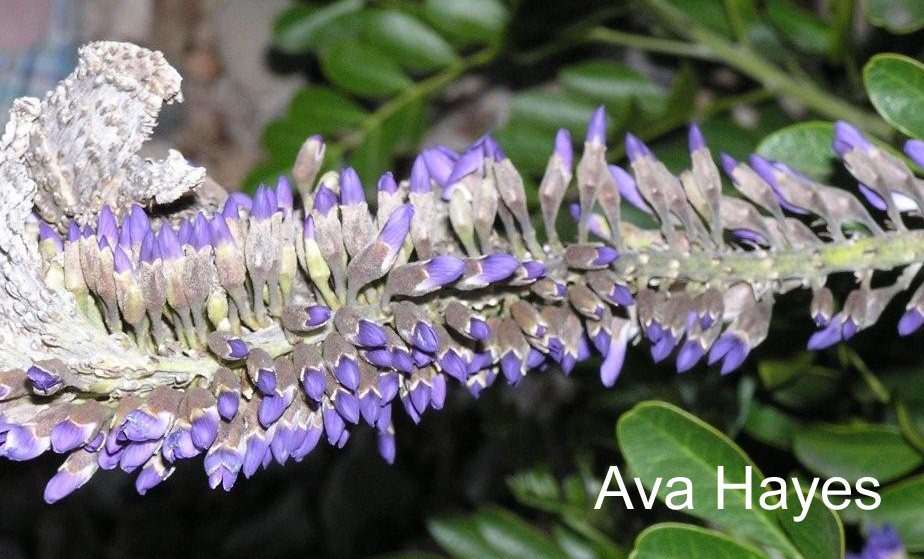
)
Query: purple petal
[
  {"x": 910, "y": 322},
  {"x": 442, "y": 270},
  {"x": 351, "y": 189},
  {"x": 596, "y": 128},
  {"x": 563, "y": 147},
  {"x": 627, "y": 188},
  {"x": 420, "y": 178}
]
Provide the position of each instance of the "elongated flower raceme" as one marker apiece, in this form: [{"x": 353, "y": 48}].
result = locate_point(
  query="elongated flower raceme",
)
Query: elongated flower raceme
[{"x": 149, "y": 317}]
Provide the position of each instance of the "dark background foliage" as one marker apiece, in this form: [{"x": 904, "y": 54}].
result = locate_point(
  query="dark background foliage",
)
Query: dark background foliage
[{"x": 387, "y": 77}]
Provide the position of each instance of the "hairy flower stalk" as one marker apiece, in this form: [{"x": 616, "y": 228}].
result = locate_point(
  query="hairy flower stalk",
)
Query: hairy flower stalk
[{"x": 148, "y": 317}]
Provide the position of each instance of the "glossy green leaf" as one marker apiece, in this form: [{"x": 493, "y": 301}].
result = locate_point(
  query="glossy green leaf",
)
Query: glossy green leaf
[
  {"x": 460, "y": 537},
  {"x": 468, "y": 21},
  {"x": 709, "y": 13},
  {"x": 370, "y": 159},
  {"x": 805, "y": 147},
  {"x": 576, "y": 546},
  {"x": 820, "y": 535},
  {"x": 898, "y": 16},
  {"x": 895, "y": 85},
  {"x": 801, "y": 27},
  {"x": 661, "y": 440},
  {"x": 770, "y": 426},
  {"x": 684, "y": 541},
  {"x": 855, "y": 451},
  {"x": 513, "y": 538},
  {"x": 324, "y": 110},
  {"x": 609, "y": 82},
  {"x": 527, "y": 146},
  {"x": 551, "y": 110},
  {"x": 408, "y": 41},
  {"x": 903, "y": 507},
  {"x": 299, "y": 28},
  {"x": 362, "y": 70}
]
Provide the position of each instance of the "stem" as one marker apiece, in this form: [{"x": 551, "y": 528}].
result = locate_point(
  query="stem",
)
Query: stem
[
  {"x": 652, "y": 44},
  {"x": 417, "y": 91},
  {"x": 749, "y": 62}
]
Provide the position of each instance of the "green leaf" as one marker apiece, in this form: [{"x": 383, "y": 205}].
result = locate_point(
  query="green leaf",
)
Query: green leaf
[
  {"x": 659, "y": 440},
  {"x": 550, "y": 110},
  {"x": 903, "y": 507},
  {"x": 370, "y": 159},
  {"x": 609, "y": 82},
  {"x": 820, "y": 535},
  {"x": 895, "y": 85},
  {"x": 898, "y": 16},
  {"x": 801, "y": 27},
  {"x": 410, "y": 555},
  {"x": 770, "y": 426},
  {"x": 805, "y": 147},
  {"x": 684, "y": 541},
  {"x": 324, "y": 111},
  {"x": 527, "y": 146},
  {"x": 468, "y": 21},
  {"x": 362, "y": 70},
  {"x": 576, "y": 546},
  {"x": 299, "y": 28},
  {"x": 461, "y": 538},
  {"x": 408, "y": 41},
  {"x": 511, "y": 537},
  {"x": 709, "y": 13},
  {"x": 855, "y": 451}
]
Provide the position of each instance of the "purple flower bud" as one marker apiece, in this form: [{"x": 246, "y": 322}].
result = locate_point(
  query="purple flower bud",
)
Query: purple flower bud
[
  {"x": 605, "y": 256},
  {"x": 420, "y": 178},
  {"x": 44, "y": 382},
  {"x": 443, "y": 270},
  {"x": 510, "y": 366},
  {"x": 765, "y": 169},
  {"x": 324, "y": 200},
  {"x": 106, "y": 226},
  {"x": 479, "y": 329},
  {"x": 420, "y": 397},
  {"x": 242, "y": 200},
  {"x": 454, "y": 366},
  {"x": 425, "y": 338},
  {"x": 308, "y": 229},
  {"x": 563, "y": 148},
  {"x": 169, "y": 243},
  {"x": 636, "y": 149},
  {"x": 204, "y": 430},
  {"x": 150, "y": 248},
  {"x": 534, "y": 269},
  {"x": 237, "y": 349},
  {"x": 596, "y": 128},
  {"x": 388, "y": 386},
  {"x": 122, "y": 263},
  {"x": 317, "y": 315},
  {"x": 87, "y": 232},
  {"x": 663, "y": 347},
  {"x": 370, "y": 334},
  {"x": 46, "y": 233},
  {"x": 847, "y": 138},
  {"x": 380, "y": 357},
  {"x": 914, "y": 149},
  {"x": 221, "y": 234},
  {"x": 439, "y": 165},
  {"x": 141, "y": 223},
  {"x": 264, "y": 205},
  {"x": 437, "y": 392},
  {"x": 230, "y": 209},
  {"x": 333, "y": 425},
  {"x": 202, "y": 233},
  {"x": 910, "y": 322},
  {"x": 347, "y": 405},
  {"x": 266, "y": 381},
  {"x": 64, "y": 483},
  {"x": 826, "y": 337},
  {"x": 729, "y": 163},
  {"x": 369, "y": 406},
  {"x": 125, "y": 239},
  {"x": 695, "y": 138},
  {"x": 873, "y": 197},
  {"x": 749, "y": 235},
  {"x": 347, "y": 373},
  {"x": 627, "y": 188},
  {"x": 102, "y": 243},
  {"x": 731, "y": 349},
  {"x": 284, "y": 199},
  {"x": 387, "y": 183},
  {"x": 271, "y": 409},
  {"x": 402, "y": 361},
  {"x": 397, "y": 226},
  {"x": 351, "y": 189},
  {"x": 185, "y": 233},
  {"x": 689, "y": 354},
  {"x": 469, "y": 162},
  {"x": 497, "y": 267},
  {"x": 491, "y": 148},
  {"x": 73, "y": 232},
  {"x": 314, "y": 382}
]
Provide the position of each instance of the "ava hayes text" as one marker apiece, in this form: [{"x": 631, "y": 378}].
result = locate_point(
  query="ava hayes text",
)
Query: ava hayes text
[{"x": 773, "y": 493}]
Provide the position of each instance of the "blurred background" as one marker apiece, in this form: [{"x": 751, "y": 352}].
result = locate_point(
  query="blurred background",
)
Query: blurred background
[{"x": 516, "y": 474}]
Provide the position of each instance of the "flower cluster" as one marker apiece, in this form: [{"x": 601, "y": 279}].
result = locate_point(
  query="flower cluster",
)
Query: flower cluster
[
  {"x": 881, "y": 543},
  {"x": 247, "y": 330}
]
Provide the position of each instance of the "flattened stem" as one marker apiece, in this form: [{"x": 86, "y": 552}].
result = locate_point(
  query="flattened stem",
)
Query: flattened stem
[{"x": 883, "y": 252}]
